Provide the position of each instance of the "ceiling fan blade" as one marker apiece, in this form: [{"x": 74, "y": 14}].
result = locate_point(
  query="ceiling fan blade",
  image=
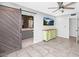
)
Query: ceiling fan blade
[
  {"x": 60, "y": 3},
  {"x": 53, "y": 8},
  {"x": 70, "y": 4},
  {"x": 69, "y": 8},
  {"x": 56, "y": 10}
]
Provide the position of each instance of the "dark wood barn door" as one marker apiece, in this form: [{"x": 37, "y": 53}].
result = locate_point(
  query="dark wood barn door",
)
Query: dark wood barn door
[{"x": 10, "y": 27}]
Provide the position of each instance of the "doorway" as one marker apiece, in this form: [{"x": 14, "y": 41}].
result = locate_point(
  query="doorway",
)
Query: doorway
[
  {"x": 77, "y": 39},
  {"x": 73, "y": 28},
  {"x": 27, "y": 30}
]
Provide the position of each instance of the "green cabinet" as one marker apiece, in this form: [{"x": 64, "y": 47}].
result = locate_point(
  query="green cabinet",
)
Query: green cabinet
[
  {"x": 45, "y": 35},
  {"x": 49, "y": 34}
]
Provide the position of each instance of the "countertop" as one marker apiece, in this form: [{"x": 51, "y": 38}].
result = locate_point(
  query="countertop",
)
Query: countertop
[{"x": 27, "y": 29}]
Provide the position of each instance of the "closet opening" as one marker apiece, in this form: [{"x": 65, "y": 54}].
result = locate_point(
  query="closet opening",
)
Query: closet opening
[{"x": 27, "y": 30}]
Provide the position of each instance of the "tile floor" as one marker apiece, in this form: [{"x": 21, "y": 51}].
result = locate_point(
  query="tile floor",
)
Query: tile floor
[
  {"x": 59, "y": 47},
  {"x": 27, "y": 42}
]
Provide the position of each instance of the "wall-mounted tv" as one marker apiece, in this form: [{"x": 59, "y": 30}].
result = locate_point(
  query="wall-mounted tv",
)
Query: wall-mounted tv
[{"x": 48, "y": 21}]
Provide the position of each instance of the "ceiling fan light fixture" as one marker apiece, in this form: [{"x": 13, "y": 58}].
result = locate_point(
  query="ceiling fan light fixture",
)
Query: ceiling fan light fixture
[{"x": 62, "y": 11}]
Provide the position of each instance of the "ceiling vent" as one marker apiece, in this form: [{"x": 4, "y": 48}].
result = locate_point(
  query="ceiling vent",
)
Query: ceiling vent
[{"x": 73, "y": 14}]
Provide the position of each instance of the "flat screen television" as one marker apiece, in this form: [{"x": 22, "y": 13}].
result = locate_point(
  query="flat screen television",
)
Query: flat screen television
[{"x": 48, "y": 21}]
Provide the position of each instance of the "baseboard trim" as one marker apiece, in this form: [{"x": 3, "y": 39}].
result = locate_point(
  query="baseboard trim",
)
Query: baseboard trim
[
  {"x": 72, "y": 37},
  {"x": 62, "y": 37}
]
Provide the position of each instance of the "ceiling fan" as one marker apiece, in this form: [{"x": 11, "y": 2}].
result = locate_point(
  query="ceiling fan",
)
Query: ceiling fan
[{"x": 61, "y": 6}]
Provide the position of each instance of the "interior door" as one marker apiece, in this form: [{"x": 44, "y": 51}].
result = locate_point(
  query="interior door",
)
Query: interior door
[
  {"x": 77, "y": 27},
  {"x": 10, "y": 27}
]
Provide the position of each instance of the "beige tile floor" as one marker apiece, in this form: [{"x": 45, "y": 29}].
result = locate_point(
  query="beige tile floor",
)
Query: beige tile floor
[
  {"x": 27, "y": 42},
  {"x": 58, "y": 47}
]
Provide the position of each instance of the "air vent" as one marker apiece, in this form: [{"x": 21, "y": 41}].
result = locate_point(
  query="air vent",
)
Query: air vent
[{"x": 73, "y": 14}]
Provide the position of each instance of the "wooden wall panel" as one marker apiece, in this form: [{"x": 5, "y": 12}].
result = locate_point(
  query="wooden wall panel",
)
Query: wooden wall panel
[{"x": 10, "y": 27}]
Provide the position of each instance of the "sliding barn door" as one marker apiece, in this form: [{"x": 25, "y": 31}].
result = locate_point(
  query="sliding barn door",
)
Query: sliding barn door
[{"x": 10, "y": 27}]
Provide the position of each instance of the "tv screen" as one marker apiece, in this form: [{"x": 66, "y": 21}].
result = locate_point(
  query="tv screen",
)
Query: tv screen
[{"x": 48, "y": 21}]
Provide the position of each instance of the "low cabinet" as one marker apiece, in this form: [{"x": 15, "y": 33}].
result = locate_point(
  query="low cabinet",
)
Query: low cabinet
[{"x": 49, "y": 34}]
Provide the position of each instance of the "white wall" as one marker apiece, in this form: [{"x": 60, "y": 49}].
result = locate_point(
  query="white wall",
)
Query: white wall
[
  {"x": 78, "y": 24},
  {"x": 38, "y": 27},
  {"x": 73, "y": 26},
  {"x": 77, "y": 10},
  {"x": 62, "y": 24}
]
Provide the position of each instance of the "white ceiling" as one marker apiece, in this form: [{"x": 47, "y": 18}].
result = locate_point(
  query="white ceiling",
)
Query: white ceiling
[{"x": 43, "y": 7}]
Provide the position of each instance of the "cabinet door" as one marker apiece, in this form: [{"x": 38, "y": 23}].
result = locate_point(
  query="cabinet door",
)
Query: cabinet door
[
  {"x": 53, "y": 33},
  {"x": 49, "y": 35},
  {"x": 45, "y": 35},
  {"x": 10, "y": 27}
]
